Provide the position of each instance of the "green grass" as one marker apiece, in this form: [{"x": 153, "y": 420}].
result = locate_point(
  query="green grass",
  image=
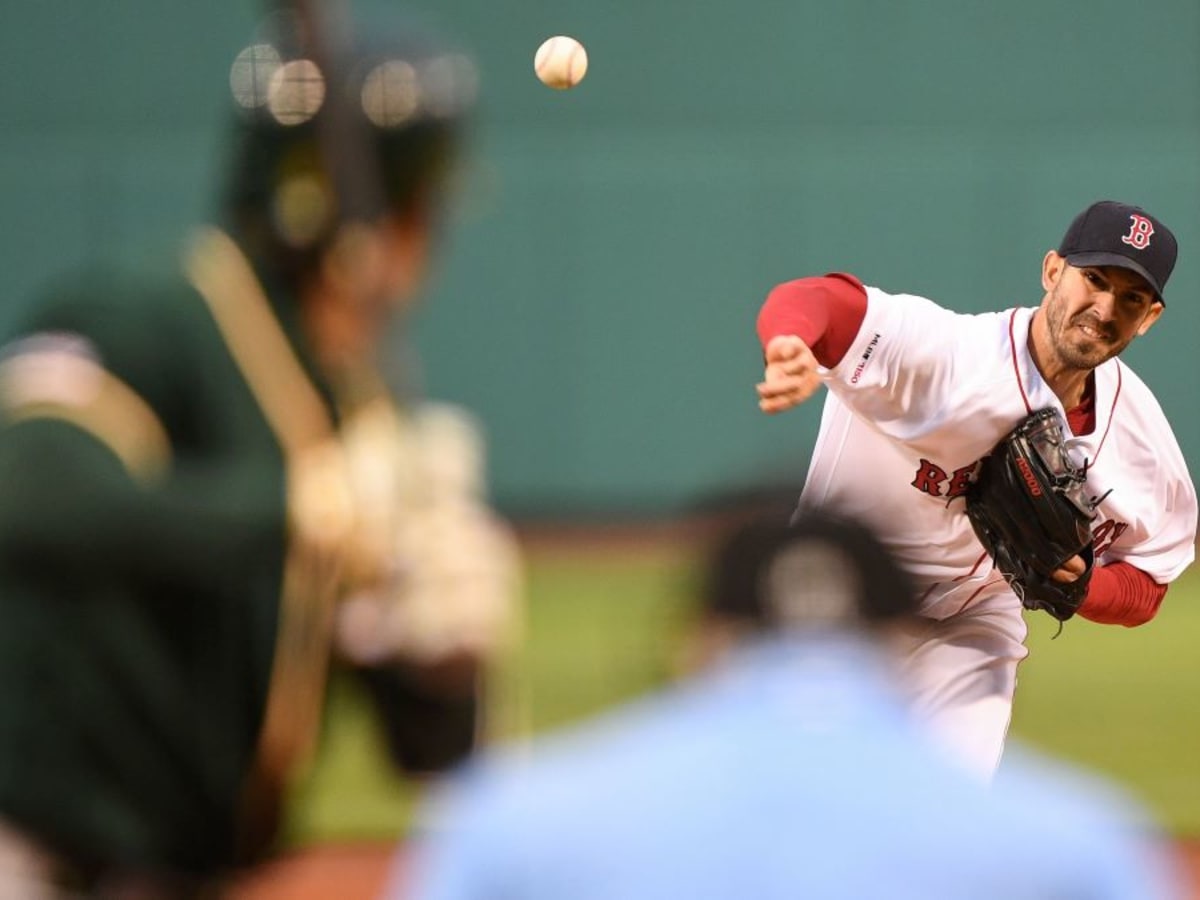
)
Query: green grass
[
  {"x": 1123, "y": 701},
  {"x": 603, "y": 628},
  {"x": 597, "y": 629}
]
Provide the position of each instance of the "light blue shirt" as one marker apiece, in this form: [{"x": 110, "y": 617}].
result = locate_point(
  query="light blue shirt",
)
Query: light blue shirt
[{"x": 792, "y": 772}]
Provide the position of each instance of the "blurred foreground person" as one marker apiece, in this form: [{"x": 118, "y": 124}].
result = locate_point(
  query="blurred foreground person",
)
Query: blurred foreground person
[
  {"x": 207, "y": 491},
  {"x": 790, "y": 768}
]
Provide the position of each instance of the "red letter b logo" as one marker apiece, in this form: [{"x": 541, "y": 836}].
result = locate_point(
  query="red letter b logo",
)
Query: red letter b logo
[{"x": 1139, "y": 232}]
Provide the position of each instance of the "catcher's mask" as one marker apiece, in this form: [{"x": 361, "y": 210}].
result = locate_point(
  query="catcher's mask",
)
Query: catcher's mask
[{"x": 331, "y": 130}]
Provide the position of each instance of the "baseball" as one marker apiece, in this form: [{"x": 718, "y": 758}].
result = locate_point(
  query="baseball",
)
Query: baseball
[{"x": 561, "y": 62}]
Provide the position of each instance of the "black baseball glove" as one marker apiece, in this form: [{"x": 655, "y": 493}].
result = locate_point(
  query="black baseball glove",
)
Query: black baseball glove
[{"x": 1029, "y": 507}]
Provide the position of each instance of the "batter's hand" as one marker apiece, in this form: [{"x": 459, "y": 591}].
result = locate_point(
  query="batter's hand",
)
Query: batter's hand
[{"x": 790, "y": 377}]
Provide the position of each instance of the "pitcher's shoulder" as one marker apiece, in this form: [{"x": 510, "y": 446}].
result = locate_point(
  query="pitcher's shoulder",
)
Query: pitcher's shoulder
[{"x": 1135, "y": 400}]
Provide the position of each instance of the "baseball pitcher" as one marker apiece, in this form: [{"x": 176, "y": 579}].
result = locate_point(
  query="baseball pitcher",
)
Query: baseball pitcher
[{"x": 1082, "y": 504}]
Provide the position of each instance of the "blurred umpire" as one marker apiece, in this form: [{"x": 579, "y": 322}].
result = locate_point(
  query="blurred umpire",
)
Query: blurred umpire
[
  {"x": 207, "y": 491},
  {"x": 788, "y": 766}
]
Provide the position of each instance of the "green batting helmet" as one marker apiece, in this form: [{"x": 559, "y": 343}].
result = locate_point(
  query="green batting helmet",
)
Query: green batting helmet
[{"x": 331, "y": 130}]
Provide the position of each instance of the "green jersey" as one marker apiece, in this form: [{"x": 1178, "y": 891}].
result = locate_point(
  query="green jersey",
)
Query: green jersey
[{"x": 166, "y": 626}]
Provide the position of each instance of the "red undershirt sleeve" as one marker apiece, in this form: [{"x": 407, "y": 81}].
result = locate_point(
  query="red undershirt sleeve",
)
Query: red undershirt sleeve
[
  {"x": 826, "y": 313},
  {"x": 1122, "y": 594}
]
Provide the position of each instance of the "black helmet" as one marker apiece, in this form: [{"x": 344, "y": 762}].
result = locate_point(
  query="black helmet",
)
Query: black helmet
[
  {"x": 334, "y": 129},
  {"x": 775, "y": 569}
]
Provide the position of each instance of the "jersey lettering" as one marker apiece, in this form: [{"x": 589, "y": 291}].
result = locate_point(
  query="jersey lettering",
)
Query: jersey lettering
[
  {"x": 929, "y": 478},
  {"x": 960, "y": 480},
  {"x": 1139, "y": 232},
  {"x": 1106, "y": 534}
]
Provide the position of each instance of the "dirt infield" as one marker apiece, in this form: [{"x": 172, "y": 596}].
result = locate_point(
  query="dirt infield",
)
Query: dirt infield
[
  {"x": 1189, "y": 853},
  {"x": 364, "y": 871},
  {"x": 338, "y": 872}
]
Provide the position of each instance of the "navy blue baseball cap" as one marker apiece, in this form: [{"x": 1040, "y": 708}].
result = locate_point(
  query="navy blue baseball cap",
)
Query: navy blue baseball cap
[{"x": 1109, "y": 233}]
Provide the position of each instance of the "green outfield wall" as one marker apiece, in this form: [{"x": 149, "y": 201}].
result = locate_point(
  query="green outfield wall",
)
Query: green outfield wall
[{"x": 611, "y": 244}]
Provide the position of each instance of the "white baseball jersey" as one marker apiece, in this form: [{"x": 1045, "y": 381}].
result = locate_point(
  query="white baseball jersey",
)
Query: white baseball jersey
[{"x": 921, "y": 394}]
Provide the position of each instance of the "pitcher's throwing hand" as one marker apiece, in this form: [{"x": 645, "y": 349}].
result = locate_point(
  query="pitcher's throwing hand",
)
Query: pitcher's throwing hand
[{"x": 790, "y": 376}]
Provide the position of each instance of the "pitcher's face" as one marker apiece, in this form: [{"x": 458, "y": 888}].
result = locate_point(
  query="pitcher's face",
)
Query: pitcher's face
[{"x": 1093, "y": 313}]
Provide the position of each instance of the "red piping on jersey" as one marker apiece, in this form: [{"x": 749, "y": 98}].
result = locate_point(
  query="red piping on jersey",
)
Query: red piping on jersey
[
  {"x": 978, "y": 562},
  {"x": 1012, "y": 343},
  {"x": 928, "y": 591},
  {"x": 975, "y": 593},
  {"x": 1112, "y": 413}
]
